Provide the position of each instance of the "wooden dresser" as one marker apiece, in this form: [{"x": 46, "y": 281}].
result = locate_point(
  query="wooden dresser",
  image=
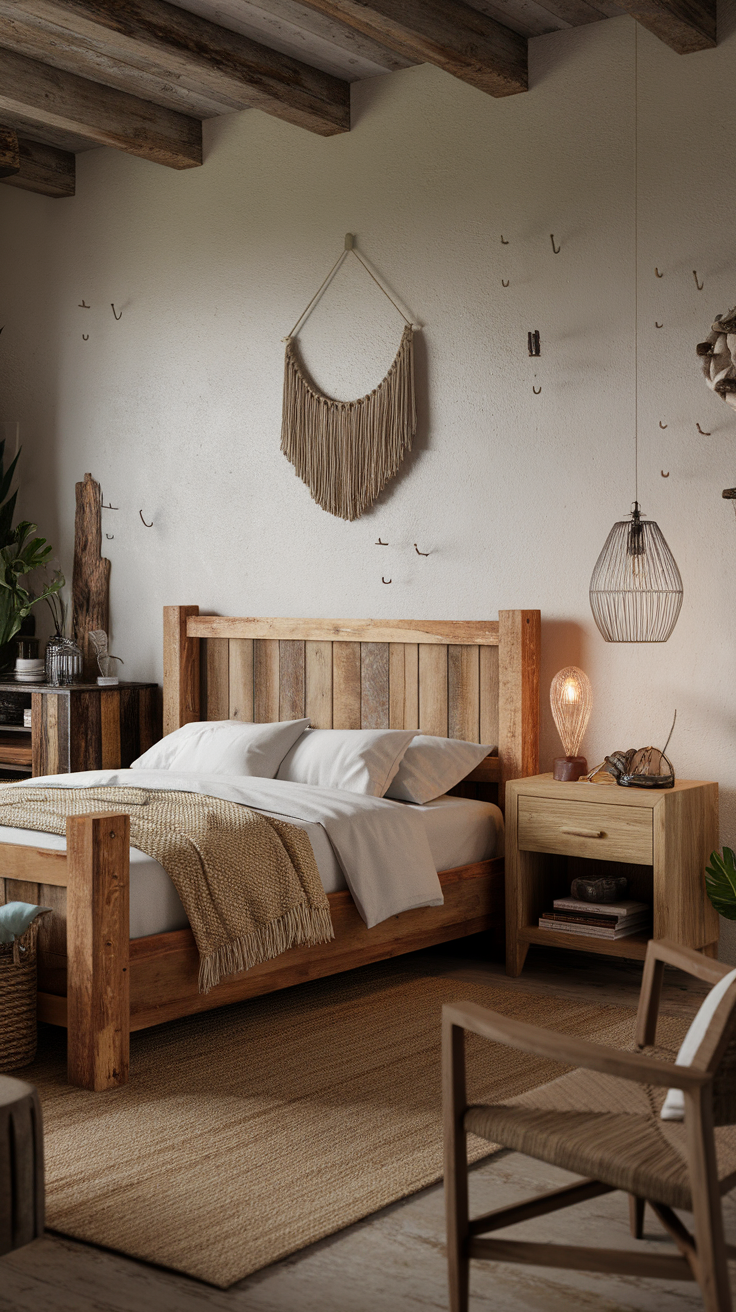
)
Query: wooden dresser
[
  {"x": 661, "y": 841},
  {"x": 80, "y": 727}
]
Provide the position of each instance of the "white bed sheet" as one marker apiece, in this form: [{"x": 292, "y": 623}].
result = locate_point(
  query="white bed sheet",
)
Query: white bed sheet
[{"x": 459, "y": 831}]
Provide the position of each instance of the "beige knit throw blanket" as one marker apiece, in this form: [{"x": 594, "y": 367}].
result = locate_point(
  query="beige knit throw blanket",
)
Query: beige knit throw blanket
[{"x": 249, "y": 883}]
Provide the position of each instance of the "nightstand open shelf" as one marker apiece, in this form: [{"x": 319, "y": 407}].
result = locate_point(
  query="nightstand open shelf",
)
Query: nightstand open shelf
[{"x": 661, "y": 841}]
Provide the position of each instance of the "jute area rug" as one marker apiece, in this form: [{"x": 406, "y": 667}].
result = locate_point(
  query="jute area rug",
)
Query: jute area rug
[{"x": 247, "y": 1133}]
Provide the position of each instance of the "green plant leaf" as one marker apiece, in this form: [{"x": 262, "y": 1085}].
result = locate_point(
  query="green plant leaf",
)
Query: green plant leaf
[{"x": 720, "y": 882}]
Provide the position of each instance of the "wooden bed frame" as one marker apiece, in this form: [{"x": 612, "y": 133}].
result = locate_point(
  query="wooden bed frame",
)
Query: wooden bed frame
[{"x": 477, "y": 680}]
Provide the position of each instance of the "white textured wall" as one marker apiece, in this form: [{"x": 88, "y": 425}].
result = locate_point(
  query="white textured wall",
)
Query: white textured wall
[{"x": 176, "y": 408}]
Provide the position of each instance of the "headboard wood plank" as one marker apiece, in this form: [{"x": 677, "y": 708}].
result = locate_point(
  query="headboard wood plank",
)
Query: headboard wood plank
[
  {"x": 265, "y": 681},
  {"x": 181, "y": 668},
  {"x": 440, "y": 632},
  {"x": 488, "y": 695},
  {"x": 463, "y": 693},
  {"x": 433, "y": 690},
  {"x": 217, "y": 673},
  {"x": 374, "y": 685},
  {"x": 292, "y": 698},
  {"x": 396, "y": 685},
  {"x": 240, "y": 679},
  {"x": 318, "y": 674},
  {"x": 518, "y": 698},
  {"x": 346, "y": 685}
]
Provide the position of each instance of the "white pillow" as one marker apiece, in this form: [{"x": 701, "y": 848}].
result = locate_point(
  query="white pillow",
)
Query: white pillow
[
  {"x": 674, "y": 1103},
  {"x": 359, "y": 760},
  {"x": 223, "y": 747},
  {"x": 430, "y": 766}
]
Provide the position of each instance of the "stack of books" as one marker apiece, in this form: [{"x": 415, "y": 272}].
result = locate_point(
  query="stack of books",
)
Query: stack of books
[{"x": 570, "y": 915}]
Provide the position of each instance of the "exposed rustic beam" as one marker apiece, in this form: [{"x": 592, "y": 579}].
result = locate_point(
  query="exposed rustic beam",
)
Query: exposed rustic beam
[
  {"x": 448, "y": 33},
  {"x": 9, "y": 153},
  {"x": 165, "y": 54},
  {"x": 46, "y": 96},
  {"x": 685, "y": 25},
  {"x": 44, "y": 169}
]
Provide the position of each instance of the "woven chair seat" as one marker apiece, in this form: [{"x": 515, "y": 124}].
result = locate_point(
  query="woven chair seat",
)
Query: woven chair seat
[{"x": 604, "y": 1128}]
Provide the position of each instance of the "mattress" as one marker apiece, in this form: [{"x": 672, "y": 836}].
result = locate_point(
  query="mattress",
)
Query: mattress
[{"x": 459, "y": 831}]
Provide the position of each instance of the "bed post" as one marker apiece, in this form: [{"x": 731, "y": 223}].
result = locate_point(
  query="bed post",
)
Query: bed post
[
  {"x": 519, "y": 637},
  {"x": 181, "y": 669},
  {"x": 98, "y": 936}
]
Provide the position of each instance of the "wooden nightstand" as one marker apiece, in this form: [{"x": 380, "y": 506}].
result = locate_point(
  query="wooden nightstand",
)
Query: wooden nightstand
[
  {"x": 80, "y": 727},
  {"x": 661, "y": 840}
]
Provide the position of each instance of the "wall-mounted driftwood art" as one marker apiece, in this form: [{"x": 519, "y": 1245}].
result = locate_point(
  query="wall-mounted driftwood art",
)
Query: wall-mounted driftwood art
[
  {"x": 91, "y": 579},
  {"x": 347, "y": 451}
]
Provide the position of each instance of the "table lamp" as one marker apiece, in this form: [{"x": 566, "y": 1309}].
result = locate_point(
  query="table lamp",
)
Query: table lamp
[{"x": 571, "y": 699}]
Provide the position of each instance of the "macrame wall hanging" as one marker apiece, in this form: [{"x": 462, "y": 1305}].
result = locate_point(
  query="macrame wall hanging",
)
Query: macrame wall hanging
[{"x": 346, "y": 451}]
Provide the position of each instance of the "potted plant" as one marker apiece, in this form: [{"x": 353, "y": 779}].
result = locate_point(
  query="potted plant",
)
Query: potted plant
[
  {"x": 720, "y": 882},
  {"x": 21, "y": 554}
]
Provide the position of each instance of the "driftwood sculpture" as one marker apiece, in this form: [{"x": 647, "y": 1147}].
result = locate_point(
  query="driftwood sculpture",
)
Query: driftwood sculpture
[
  {"x": 91, "y": 579},
  {"x": 718, "y": 356}
]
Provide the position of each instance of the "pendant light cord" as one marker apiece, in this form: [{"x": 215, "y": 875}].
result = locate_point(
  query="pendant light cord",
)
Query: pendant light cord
[{"x": 636, "y": 263}]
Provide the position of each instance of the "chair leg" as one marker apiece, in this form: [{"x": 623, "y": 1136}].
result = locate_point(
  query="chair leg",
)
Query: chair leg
[
  {"x": 456, "y": 1167},
  {"x": 636, "y": 1215},
  {"x": 710, "y": 1242}
]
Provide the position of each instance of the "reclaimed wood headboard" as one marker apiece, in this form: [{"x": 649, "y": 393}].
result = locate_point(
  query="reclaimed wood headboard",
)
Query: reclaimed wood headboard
[{"x": 477, "y": 680}]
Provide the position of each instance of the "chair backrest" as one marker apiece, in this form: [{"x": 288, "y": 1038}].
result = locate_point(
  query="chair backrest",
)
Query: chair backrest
[{"x": 717, "y": 1053}]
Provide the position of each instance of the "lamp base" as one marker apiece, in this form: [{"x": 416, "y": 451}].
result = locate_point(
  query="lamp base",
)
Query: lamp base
[{"x": 567, "y": 769}]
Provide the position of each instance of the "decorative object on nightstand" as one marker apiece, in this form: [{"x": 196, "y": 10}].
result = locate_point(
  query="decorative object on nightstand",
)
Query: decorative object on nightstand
[
  {"x": 661, "y": 841},
  {"x": 571, "y": 699},
  {"x": 640, "y": 767},
  {"x": 107, "y": 677}
]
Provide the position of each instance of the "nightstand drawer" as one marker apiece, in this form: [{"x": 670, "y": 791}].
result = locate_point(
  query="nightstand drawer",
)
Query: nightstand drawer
[{"x": 589, "y": 829}]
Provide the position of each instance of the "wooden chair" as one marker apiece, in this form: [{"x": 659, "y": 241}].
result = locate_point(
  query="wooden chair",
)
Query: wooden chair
[{"x": 602, "y": 1121}]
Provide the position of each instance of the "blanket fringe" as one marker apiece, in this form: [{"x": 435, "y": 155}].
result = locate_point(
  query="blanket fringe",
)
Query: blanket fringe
[{"x": 302, "y": 925}]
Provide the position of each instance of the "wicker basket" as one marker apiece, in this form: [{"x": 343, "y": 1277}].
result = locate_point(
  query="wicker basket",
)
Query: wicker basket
[{"x": 18, "y": 1026}]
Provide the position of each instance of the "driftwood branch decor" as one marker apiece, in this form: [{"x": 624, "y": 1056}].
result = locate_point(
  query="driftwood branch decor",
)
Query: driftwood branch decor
[
  {"x": 91, "y": 579},
  {"x": 346, "y": 451}
]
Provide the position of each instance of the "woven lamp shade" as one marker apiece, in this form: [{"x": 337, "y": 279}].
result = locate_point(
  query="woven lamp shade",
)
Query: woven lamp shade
[{"x": 636, "y": 588}]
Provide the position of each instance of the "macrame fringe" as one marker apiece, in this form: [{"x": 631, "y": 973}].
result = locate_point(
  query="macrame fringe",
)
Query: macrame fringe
[
  {"x": 346, "y": 451},
  {"x": 302, "y": 925}
]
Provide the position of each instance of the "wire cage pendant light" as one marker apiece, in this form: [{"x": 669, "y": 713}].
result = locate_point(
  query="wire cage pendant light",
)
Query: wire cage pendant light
[{"x": 636, "y": 588}]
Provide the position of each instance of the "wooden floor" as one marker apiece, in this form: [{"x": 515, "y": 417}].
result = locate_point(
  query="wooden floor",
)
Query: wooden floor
[{"x": 394, "y": 1260}]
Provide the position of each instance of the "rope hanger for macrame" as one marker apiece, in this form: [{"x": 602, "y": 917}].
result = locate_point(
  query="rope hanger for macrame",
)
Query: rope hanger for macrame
[
  {"x": 346, "y": 451},
  {"x": 347, "y": 249}
]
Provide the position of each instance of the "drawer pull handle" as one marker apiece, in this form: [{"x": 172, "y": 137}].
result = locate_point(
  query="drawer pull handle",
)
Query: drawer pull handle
[{"x": 582, "y": 833}]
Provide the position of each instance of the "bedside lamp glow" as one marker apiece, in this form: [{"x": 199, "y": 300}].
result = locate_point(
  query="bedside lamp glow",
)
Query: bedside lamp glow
[{"x": 571, "y": 699}]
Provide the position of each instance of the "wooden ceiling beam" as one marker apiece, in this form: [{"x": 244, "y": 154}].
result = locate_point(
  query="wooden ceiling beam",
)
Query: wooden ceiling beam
[
  {"x": 684, "y": 25},
  {"x": 159, "y": 51},
  {"x": 42, "y": 169},
  {"x": 470, "y": 45},
  {"x": 45, "y": 96},
  {"x": 9, "y": 153}
]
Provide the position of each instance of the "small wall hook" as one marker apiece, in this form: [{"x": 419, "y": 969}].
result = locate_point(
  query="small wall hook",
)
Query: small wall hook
[
  {"x": 117, "y": 316},
  {"x": 108, "y": 507},
  {"x": 383, "y": 580},
  {"x": 656, "y": 270},
  {"x": 699, "y": 285},
  {"x": 83, "y": 306},
  {"x": 85, "y": 337},
  {"x": 536, "y": 390},
  {"x": 504, "y": 284},
  {"x": 379, "y": 543},
  {"x": 140, "y": 512},
  {"x": 658, "y": 325},
  {"x": 663, "y": 425},
  {"x": 420, "y": 553},
  {"x": 663, "y": 473},
  {"x": 110, "y": 537},
  {"x": 702, "y": 434},
  {"x": 533, "y": 343},
  {"x": 556, "y": 249},
  {"x": 503, "y": 240}
]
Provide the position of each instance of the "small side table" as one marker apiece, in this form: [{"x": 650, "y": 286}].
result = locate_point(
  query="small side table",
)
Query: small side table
[
  {"x": 80, "y": 727},
  {"x": 661, "y": 840}
]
